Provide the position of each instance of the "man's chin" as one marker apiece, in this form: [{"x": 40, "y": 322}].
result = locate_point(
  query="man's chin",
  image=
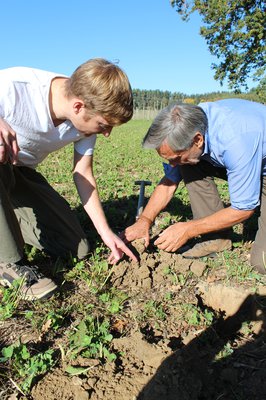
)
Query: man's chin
[{"x": 193, "y": 162}]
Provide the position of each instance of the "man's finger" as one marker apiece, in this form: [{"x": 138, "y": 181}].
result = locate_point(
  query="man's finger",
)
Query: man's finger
[
  {"x": 147, "y": 240},
  {"x": 128, "y": 252},
  {"x": 159, "y": 241},
  {"x": 14, "y": 151},
  {"x": 114, "y": 257},
  {"x": 2, "y": 151}
]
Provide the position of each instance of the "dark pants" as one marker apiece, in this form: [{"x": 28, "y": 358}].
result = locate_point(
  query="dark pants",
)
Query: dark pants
[
  {"x": 205, "y": 200},
  {"x": 32, "y": 212}
]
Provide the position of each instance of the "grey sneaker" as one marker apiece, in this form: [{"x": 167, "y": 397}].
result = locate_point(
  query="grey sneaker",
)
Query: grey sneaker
[
  {"x": 208, "y": 248},
  {"x": 34, "y": 284}
]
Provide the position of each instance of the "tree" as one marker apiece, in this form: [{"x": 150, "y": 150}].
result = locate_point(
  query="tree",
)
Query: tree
[
  {"x": 261, "y": 90},
  {"x": 235, "y": 32}
]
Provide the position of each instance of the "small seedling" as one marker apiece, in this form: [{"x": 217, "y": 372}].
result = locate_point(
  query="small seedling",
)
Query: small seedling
[
  {"x": 26, "y": 366},
  {"x": 11, "y": 298},
  {"x": 91, "y": 339},
  {"x": 154, "y": 310},
  {"x": 193, "y": 315},
  {"x": 113, "y": 300},
  {"x": 225, "y": 352}
]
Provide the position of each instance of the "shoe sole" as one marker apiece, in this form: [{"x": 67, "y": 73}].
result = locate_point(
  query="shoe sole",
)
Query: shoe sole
[{"x": 44, "y": 295}]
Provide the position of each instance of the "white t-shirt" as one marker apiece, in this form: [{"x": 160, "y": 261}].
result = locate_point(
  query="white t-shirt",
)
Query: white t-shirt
[{"x": 24, "y": 105}]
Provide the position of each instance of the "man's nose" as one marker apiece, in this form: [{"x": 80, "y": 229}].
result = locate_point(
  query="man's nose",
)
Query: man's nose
[{"x": 107, "y": 132}]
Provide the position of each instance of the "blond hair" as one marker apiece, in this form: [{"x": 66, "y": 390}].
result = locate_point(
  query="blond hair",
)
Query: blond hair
[{"x": 104, "y": 88}]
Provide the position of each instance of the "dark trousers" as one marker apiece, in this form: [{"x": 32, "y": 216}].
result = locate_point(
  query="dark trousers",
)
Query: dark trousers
[
  {"x": 205, "y": 200},
  {"x": 32, "y": 212}
]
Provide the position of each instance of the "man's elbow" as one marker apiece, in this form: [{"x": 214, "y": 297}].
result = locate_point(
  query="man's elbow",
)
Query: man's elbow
[{"x": 247, "y": 214}]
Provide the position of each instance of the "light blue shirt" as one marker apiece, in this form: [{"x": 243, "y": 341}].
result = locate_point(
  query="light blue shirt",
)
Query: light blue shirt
[{"x": 236, "y": 140}]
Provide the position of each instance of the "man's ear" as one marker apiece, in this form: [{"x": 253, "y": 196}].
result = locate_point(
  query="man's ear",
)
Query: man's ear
[
  {"x": 198, "y": 140},
  {"x": 78, "y": 105}
]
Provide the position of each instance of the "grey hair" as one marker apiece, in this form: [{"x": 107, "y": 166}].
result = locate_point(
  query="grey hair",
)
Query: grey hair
[{"x": 176, "y": 124}]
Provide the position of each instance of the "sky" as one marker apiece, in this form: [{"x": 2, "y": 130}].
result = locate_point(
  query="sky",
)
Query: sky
[{"x": 147, "y": 38}]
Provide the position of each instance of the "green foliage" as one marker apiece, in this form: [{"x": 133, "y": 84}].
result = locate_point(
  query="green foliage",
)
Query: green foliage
[
  {"x": 155, "y": 99},
  {"x": 235, "y": 33},
  {"x": 237, "y": 269},
  {"x": 226, "y": 351},
  {"x": 95, "y": 273},
  {"x": 193, "y": 315},
  {"x": 27, "y": 366},
  {"x": 54, "y": 319},
  {"x": 10, "y": 299},
  {"x": 113, "y": 300},
  {"x": 91, "y": 339},
  {"x": 147, "y": 103},
  {"x": 154, "y": 310},
  {"x": 261, "y": 90}
]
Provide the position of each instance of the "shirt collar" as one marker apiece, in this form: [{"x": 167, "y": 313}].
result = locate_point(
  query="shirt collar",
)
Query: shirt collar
[{"x": 206, "y": 146}]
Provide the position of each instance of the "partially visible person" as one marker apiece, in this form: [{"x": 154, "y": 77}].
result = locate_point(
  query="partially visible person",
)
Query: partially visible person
[
  {"x": 41, "y": 112},
  {"x": 224, "y": 139}
]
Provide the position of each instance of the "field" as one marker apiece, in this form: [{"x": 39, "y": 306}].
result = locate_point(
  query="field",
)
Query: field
[{"x": 165, "y": 328}]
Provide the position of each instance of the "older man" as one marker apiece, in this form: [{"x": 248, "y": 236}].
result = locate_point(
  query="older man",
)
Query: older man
[{"x": 225, "y": 139}]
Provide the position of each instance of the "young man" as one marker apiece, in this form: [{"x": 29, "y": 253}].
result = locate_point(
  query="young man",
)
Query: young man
[
  {"x": 225, "y": 139},
  {"x": 40, "y": 112}
]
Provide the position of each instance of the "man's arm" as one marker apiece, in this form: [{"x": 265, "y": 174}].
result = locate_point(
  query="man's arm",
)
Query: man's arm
[
  {"x": 87, "y": 189},
  {"x": 176, "y": 235},
  {"x": 159, "y": 199}
]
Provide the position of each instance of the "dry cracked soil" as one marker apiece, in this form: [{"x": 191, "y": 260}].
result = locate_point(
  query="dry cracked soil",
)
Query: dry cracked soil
[{"x": 170, "y": 348}]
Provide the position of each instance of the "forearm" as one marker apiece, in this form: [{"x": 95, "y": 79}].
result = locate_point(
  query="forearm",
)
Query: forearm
[
  {"x": 218, "y": 221},
  {"x": 89, "y": 197},
  {"x": 159, "y": 199}
]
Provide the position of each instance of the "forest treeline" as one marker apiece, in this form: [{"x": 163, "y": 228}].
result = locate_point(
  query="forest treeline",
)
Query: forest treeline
[
  {"x": 147, "y": 103},
  {"x": 157, "y": 99}
]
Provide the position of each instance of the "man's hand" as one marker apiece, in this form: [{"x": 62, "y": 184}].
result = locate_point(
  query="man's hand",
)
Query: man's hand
[
  {"x": 117, "y": 247},
  {"x": 8, "y": 144},
  {"x": 173, "y": 237},
  {"x": 139, "y": 230}
]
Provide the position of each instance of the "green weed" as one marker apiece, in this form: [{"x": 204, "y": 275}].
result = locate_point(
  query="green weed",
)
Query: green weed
[
  {"x": 10, "y": 300},
  {"x": 91, "y": 339},
  {"x": 176, "y": 278},
  {"x": 26, "y": 366},
  {"x": 113, "y": 300},
  {"x": 94, "y": 272},
  {"x": 237, "y": 269},
  {"x": 154, "y": 310},
  {"x": 225, "y": 352},
  {"x": 193, "y": 315},
  {"x": 54, "y": 319}
]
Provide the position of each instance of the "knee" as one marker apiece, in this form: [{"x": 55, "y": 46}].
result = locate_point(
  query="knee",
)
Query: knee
[
  {"x": 258, "y": 259},
  {"x": 83, "y": 249}
]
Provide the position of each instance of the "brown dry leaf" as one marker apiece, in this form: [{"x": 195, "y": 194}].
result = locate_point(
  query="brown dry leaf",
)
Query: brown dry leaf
[
  {"x": 119, "y": 325},
  {"x": 46, "y": 326}
]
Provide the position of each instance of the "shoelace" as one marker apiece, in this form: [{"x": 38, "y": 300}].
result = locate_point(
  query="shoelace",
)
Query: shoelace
[{"x": 31, "y": 274}]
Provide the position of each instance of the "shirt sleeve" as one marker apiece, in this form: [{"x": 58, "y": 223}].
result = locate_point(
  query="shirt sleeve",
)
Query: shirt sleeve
[
  {"x": 243, "y": 162},
  {"x": 172, "y": 173},
  {"x": 85, "y": 146}
]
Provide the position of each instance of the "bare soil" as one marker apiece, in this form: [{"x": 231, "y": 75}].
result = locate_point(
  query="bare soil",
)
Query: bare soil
[{"x": 168, "y": 350}]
